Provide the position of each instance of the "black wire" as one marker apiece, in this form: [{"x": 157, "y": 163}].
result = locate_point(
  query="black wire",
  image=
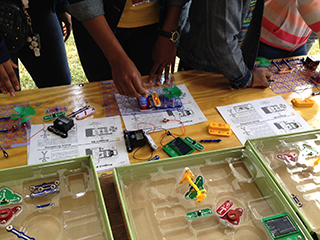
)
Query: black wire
[
  {"x": 5, "y": 154},
  {"x": 168, "y": 133},
  {"x": 133, "y": 155}
]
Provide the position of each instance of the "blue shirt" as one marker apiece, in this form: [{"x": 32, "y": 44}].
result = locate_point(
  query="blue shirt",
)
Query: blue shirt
[{"x": 209, "y": 42}]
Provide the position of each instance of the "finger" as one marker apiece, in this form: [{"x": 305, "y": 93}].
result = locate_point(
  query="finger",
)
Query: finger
[
  {"x": 139, "y": 89},
  {"x": 3, "y": 88},
  {"x": 7, "y": 84},
  {"x": 166, "y": 72},
  {"x": 164, "y": 67},
  {"x": 13, "y": 76},
  {"x": 153, "y": 72}
]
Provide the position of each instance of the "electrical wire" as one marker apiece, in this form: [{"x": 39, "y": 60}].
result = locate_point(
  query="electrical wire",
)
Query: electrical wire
[{"x": 5, "y": 154}]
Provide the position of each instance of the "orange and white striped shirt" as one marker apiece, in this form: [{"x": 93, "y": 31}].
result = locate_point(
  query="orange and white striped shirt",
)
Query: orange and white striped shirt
[{"x": 287, "y": 24}]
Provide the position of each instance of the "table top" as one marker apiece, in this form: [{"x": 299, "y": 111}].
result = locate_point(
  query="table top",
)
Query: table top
[{"x": 208, "y": 90}]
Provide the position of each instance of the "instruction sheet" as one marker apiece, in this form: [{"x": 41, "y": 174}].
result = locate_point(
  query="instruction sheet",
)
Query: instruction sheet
[
  {"x": 152, "y": 120},
  {"x": 262, "y": 118},
  {"x": 100, "y": 137}
]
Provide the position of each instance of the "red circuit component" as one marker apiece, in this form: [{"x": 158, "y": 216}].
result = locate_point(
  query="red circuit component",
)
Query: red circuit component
[
  {"x": 224, "y": 208},
  {"x": 7, "y": 214},
  {"x": 229, "y": 215},
  {"x": 233, "y": 216}
]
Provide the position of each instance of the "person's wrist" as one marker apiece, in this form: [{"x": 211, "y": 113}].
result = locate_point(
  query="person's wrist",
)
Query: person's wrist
[{"x": 251, "y": 83}]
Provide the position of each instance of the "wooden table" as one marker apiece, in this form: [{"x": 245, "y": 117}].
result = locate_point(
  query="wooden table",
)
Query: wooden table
[{"x": 208, "y": 90}]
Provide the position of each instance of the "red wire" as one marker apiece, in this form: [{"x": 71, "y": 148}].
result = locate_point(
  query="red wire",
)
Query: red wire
[
  {"x": 154, "y": 126},
  {"x": 12, "y": 133}
]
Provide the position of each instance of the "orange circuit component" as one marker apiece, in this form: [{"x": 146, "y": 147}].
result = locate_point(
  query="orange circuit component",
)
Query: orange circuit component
[
  {"x": 306, "y": 102},
  {"x": 220, "y": 129},
  {"x": 156, "y": 100}
]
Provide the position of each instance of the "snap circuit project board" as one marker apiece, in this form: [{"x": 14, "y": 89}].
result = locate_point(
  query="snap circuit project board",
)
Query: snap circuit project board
[
  {"x": 12, "y": 138},
  {"x": 296, "y": 79},
  {"x": 109, "y": 91}
]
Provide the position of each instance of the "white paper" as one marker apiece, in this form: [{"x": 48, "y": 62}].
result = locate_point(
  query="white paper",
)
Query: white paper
[
  {"x": 262, "y": 118},
  {"x": 153, "y": 120},
  {"x": 100, "y": 137}
]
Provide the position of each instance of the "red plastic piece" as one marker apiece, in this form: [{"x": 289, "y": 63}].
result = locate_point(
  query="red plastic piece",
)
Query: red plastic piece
[
  {"x": 233, "y": 216},
  {"x": 224, "y": 208},
  {"x": 7, "y": 214}
]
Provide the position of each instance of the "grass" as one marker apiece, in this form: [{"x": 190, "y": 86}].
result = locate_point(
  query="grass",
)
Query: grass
[{"x": 77, "y": 72}]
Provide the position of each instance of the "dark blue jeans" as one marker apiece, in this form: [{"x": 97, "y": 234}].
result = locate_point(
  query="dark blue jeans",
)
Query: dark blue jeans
[
  {"x": 51, "y": 68},
  {"x": 137, "y": 43},
  {"x": 270, "y": 52}
]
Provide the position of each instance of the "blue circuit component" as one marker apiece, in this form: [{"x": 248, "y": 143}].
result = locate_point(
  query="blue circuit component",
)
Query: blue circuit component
[
  {"x": 44, "y": 193},
  {"x": 19, "y": 234},
  {"x": 44, "y": 186}
]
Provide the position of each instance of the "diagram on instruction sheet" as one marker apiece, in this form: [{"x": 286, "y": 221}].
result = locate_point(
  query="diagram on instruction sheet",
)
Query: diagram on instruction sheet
[
  {"x": 262, "y": 118},
  {"x": 102, "y": 138}
]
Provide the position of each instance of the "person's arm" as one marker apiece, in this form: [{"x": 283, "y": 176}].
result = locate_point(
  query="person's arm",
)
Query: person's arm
[
  {"x": 164, "y": 50},
  {"x": 224, "y": 26},
  {"x": 125, "y": 75},
  {"x": 310, "y": 12},
  {"x": 64, "y": 17},
  {"x": 8, "y": 79}
]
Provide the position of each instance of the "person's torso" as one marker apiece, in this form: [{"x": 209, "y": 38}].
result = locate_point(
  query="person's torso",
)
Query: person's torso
[
  {"x": 283, "y": 27},
  {"x": 138, "y": 13}
]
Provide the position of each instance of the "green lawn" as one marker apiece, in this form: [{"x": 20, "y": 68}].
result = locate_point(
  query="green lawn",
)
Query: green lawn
[{"x": 77, "y": 73}]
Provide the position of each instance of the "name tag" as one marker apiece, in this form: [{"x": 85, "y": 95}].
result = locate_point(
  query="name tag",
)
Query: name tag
[{"x": 139, "y": 2}]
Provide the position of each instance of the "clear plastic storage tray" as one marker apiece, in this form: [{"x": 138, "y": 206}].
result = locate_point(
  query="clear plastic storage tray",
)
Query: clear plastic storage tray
[
  {"x": 156, "y": 206},
  {"x": 59, "y": 200},
  {"x": 293, "y": 160}
]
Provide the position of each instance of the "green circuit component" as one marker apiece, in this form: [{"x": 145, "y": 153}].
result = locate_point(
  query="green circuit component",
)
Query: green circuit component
[
  {"x": 197, "y": 214},
  {"x": 7, "y": 197},
  {"x": 178, "y": 147},
  {"x": 53, "y": 116},
  {"x": 192, "y": 193},
  {"x": 194, "y": 143},
  {"x": 281, "y": 227}
]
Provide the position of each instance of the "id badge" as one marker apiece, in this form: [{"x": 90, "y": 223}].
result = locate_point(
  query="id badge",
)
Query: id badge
[{"x": 139, "y": 2}]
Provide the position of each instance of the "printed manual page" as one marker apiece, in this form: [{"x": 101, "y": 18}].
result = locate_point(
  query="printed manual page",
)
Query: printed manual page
[
  {"x": 262, "y": 118},
  {"x": 100, "y": 137}
]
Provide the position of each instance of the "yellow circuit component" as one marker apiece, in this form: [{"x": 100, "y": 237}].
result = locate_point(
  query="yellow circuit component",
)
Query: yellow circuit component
[
  {"x": 156, "y": 99},
  {"x": 306, "y": 102},
  {"x": 219, "y": 129}
]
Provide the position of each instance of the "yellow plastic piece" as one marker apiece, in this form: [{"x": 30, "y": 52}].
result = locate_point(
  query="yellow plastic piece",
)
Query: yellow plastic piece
[
  {"x": 287, "y": 70},
  {"x": 316, "y": 162},
  {"x": 306, "y": 102},
  {"x": 156, "y": 100},
  {"x": 219, "y": 129},
  {"x": 188, "y": 176}
]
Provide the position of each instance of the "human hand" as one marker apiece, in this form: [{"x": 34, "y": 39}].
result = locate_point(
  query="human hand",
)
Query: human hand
[
  {"x": 8, "y": 79},
  {"x": 66, "y": 24},
  {"x": 164, "y": 56},
  {"x": 127, "y": 78},
  {"x": 261, "y": 77}
]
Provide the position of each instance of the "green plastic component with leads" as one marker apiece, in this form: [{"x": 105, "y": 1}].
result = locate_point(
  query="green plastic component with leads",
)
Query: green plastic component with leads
[
  {"x": 281, "y": 227},
  {"x": 7, "y": 197},
  {"x": 192, "y": 193},
  {"x": 53, "y": 116},
  {"x": 178, "y": 147},
  {"x": 202, "y": 213},
  {"x": 194, "y": 143}
]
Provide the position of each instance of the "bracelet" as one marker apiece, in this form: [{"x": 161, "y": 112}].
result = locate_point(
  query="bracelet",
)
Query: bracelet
[{"x": 250, "y": 85}]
